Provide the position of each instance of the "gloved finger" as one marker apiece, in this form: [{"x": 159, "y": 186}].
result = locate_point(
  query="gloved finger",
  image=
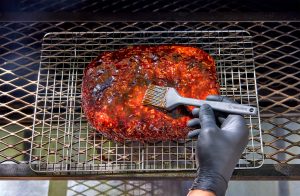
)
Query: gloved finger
[
  {"x": 195, "y": 112},
  {"x": 220, "y": 115},
  {"x": 193, "y": 133},
  {"x": 237, "y": 126},
  {"x": 220, "y": 99},
  {"x": 194, "y": 122},
  {"x": 234, "y": 122},
  {"x": 206, "y": 116},
  {"x": 221, "y": 119}
]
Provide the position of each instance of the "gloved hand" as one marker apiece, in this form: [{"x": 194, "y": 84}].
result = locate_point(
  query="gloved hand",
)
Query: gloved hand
[{"x": 218, "y": 149}]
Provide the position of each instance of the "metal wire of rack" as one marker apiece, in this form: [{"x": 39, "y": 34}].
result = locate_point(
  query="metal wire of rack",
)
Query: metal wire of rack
[{"x": 63, "y": 141}]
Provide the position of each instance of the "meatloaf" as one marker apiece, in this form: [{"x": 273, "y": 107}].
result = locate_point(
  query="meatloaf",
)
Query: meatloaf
[{"x": 115, "y": 82}]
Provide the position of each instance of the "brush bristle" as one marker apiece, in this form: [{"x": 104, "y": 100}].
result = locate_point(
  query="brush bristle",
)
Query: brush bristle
[{"x": 155, "y": 96}]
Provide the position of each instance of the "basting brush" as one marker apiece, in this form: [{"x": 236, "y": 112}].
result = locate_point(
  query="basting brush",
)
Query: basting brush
[{"x": 168, "y": 98}]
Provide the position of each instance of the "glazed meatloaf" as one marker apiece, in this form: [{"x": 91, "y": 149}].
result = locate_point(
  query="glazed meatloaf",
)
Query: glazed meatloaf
[{"x": 115, "y": 82}]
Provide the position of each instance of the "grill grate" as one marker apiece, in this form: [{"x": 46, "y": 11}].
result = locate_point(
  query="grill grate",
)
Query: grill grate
[
  {"x": 125, "y": 187},
  {"x": 276, "y": 50},
  {"x": 64, "y": 142}
]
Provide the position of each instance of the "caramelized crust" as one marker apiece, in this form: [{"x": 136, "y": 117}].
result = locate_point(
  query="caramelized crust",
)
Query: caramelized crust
[{"x": 115, "y": 82}]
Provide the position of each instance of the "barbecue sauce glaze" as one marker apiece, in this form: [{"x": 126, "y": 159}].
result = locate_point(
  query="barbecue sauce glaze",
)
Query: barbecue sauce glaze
[{"x": 115, "y": 82}]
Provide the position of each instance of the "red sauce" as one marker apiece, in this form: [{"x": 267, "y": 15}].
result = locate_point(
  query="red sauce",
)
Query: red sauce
[{"x": 115, "y": 82}]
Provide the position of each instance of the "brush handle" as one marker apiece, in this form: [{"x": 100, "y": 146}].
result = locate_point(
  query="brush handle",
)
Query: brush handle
[{"x": 221, "y": 106}]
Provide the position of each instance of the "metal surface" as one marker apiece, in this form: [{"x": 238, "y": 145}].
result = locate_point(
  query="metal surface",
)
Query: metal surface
[
  {"x": 64, "y": 142},
  {"x": 133, "y": 6},
  {"x": 122, "y": 187},
  {"x": 276, "y": 58},
  {"x": 178, "y": 188}
]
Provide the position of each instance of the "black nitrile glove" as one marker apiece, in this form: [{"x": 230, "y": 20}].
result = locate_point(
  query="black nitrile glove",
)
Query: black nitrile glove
[{"x": 218, "y": 149}]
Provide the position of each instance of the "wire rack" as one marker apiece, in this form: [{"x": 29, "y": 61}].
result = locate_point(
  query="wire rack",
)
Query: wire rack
[{"x": 64, "y": 142}]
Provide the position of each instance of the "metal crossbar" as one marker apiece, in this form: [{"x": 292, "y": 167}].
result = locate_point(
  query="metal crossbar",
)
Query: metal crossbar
[{"x": 64, "y": 142}]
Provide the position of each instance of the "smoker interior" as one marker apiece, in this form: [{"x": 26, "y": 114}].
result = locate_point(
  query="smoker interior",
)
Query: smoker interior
[{"x": 276, "y": 58}]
